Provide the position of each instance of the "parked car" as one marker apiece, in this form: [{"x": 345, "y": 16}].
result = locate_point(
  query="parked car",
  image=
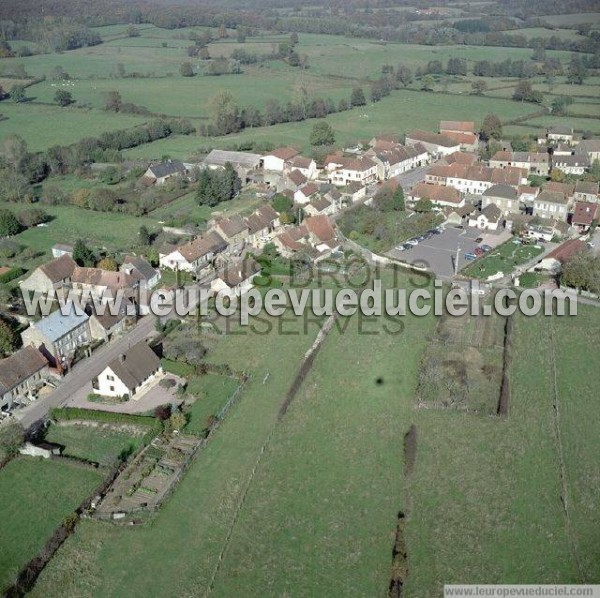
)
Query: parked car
[
  {"x": 407, "y": 246},
  {"x": 478, "y": 251},
  {"x": 479, "y": 240},
  {"x": 486, "y": 248},
  {"x": 412, "y": 242},
  {"x": 470, "y": 257}
]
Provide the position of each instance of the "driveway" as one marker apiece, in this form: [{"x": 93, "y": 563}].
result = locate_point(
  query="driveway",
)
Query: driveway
[
  {"x": 438, "y": 254},
  {"x": 153, "y": 397}
]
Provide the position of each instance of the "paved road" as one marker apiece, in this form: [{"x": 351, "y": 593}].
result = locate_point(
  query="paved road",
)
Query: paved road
[
  {"x": 83, "y": 372},
  {"x": 408, "y": 179}
]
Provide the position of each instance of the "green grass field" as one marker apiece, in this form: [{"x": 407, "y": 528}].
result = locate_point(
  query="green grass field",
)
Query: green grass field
[
  {"x": 191, "y": 96},
  {"x": 143, "y": 560},
  {"x": 211, "y": 392},
  {"x": 35, "y": 496},
  {"x": 502, "y": 259},
  {"x": 102, "y": 229},
  {"x": 44, "y": 126},
  {"x": 399, "y": 113},
  {"x": 321, "y": 510},
  {"x": 102, "y": 445}
]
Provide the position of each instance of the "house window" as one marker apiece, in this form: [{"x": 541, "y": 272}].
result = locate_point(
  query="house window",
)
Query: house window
[
  {"x": 111, "y": 378},
  {"x": 112, "y": 388}
]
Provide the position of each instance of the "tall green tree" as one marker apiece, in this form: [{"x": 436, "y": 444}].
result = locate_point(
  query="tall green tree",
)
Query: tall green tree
[
  {"x": 83, "y": 255},
  {"x": 9, "y": 224},
  {"x": 63, "y": 98},
  {"x": 491, "y": 127},
  {"x": 357, "y": 98},
  {"x": 322, "y": 134}
]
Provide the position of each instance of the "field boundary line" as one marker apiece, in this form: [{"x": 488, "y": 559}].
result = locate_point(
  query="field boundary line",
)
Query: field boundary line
[
  {"x": 564, "y": 497},
  {"x": 307, "y": 360}
]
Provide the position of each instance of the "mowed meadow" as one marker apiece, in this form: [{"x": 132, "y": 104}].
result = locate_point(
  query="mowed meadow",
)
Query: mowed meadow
[
  {"x": 307, "y": 504},
  {"x": 145, "y": 71}
]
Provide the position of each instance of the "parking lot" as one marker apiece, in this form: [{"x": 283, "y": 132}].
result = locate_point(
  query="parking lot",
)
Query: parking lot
[{"x": 438, "y": 253}]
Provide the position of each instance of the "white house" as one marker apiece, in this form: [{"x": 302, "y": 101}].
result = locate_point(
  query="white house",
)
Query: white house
[
  {"x": 504, "y": 196},
  {"x": 437, "y": 145},
  {"x": 196, "y": 256},
  {"x": 586, "y": 191},
  {"x": 58, "y": 336},
  {"x": 343, "y": 170},
  {"x": 306, "y": 193},
  {"x": 142, "y": 270},
  {"x": 278, "y": 158},
  {"x": 129, "y": 374},
  {"x": 236, "y": 278},
  {"x": 551, "y": 204},
  {"x": 576, "y": 165},
  {"x": 307, "y": 166},
  {"x": 486, "y": 219}
]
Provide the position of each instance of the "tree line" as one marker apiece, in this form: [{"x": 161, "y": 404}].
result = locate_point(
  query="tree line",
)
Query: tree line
[
  {"x": 20, "y": 168},
  {"x": 349, "y": 19}
]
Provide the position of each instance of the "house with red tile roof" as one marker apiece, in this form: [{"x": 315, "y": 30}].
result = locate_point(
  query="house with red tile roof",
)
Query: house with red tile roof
[{"x": 584, "y": 213}]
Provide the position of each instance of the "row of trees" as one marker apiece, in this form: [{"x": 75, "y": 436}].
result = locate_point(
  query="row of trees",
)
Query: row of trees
[
  {"x": 227, "y": 117},
  {"x": 20, "y": 168}
]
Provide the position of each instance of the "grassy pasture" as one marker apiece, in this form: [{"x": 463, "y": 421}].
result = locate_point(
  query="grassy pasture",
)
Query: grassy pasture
[
  {"x": 102, "y": 229},
  {"x": 545, "y": 32},
  {"x": 568, "y": 20},
  {"x": 35, "y": 496},
  {"x": 101, "y": 444},
  {"x": 211, "y": 394},
  {"x": 102, "y": 560},
  {"x": 191, "y": 96},
  {"x": 359, "y": 59},
  {"x": 45, "y": 126},
  {"x": 402, "y": 111},
  {"x": 321, "y": 509}
]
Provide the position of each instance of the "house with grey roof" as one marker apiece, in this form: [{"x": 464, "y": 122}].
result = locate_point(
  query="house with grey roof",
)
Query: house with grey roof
[
  {"x": 586, "y": 191},
  {"x": 159, "y": 174},
  {"x": 576, "y": 164},
  {"x": 243, "y": 162},
  {"x": 234, "y": 230},
  {"x": 487, "y": 218},
  {"x": 142, "y": 270},
  {"x": 58, "y": 336},
  {"x": 236, "y": 278},
  {"x": 505, "y": 197},
  {"x": 130, "y": 374},
  {"x": 551, "y": 204},
  {"x": 589, "y": 148},
  {"x": 196, "y": 256},
  {"x": 20, "y": 375}
]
